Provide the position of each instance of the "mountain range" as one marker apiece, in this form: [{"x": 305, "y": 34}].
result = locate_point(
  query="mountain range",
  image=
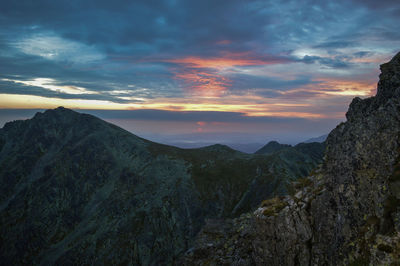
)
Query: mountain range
[{"x": 78, "y": 190}]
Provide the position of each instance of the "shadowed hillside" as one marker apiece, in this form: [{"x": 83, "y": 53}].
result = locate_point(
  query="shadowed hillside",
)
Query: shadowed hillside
[{"x": 78, "y": 190}]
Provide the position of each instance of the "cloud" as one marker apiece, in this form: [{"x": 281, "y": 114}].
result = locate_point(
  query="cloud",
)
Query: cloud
[
  {"x": 208, "y": 76},
  {"x": 258, "y": 57},
  {"x": 362, "y": 54},
  {"x": 335, "y": 44},
  {"x": 53, "y": 47},
  {"x": 326, "y": 61},
  {"x": 267, "y": 86},
  {"x": 45, "y": 88}
]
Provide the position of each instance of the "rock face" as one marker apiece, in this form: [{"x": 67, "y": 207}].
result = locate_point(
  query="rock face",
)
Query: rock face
[
  {"x": 77, "y": 190},
  {"x": 347, "y": 212}
]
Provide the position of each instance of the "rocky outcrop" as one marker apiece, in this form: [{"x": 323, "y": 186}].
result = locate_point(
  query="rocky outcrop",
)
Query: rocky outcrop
[
  {"x": 347, "y": 212},
  {"x": 360, "y": 158}
]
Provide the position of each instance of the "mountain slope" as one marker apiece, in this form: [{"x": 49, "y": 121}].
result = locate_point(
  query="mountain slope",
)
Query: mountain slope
[
  {"x": 78, "y": 190},
  {"x": 75, "y": 185},
  {"x": 346, "y": 213},
  {"x": 294, "y": 161}
]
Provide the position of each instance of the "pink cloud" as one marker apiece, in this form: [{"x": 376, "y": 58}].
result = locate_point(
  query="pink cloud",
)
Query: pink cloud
[{"x": 205, "y": 75}]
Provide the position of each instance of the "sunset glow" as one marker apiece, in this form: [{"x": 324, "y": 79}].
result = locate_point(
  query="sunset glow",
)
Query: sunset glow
[
  {"x": 203, "y": 83},
  {"x": 206, "y": 76},
  {"x": 221, "y": 63},
  {"x": 194, "y": 69}
]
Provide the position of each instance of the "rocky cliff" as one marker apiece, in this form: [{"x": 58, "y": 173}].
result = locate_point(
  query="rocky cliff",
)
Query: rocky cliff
[
  {"x": 77, "y": 190},
  {"x": 347, "y": 212}
]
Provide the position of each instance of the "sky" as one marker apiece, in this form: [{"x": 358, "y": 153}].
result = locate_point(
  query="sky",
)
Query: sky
[{"x": 195, "y": 72}]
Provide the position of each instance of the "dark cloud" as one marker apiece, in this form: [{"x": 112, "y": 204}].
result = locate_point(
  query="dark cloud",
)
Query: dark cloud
[
  {"x": 141, "y": 27},
  {"x": 362, "y": 54},
  {"x": 335, "y": 44},
  {"x": 326, "y": 61},
  {"x": 267, "y": 86}
]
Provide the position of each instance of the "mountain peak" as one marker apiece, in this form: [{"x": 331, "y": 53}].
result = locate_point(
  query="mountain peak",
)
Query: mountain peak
[
  {"x": 388, "y": 89},
  {"x": 389, "y": 79},
  {"x": 62, "y": 115},
  {"x": 219, "y": 147},
  {"x": 271, "y": 147},
  {"x": 56, "y": 113},
  {"x": 61, "y": 110},
  {"x": 57, "y": 124}
]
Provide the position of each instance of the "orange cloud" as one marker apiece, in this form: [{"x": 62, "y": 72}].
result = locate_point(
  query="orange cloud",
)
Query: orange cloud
[
  {"x": 226, "y": 61},
  {"x": 203, "y": 83},
  {"x": 344, "y": 87},
  {"x": 205, "y": 76},
  {"x": 201, "y": 123}
]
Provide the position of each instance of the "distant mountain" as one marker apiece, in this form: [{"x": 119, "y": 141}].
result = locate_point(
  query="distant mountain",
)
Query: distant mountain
[
  {"x": 317, "y": 139},
  {"x": 243, "y": 147},
  {"x": 271, "y": 147},
  {"x": 306, "y": 155},
  {"x": 75, "y": 189}
]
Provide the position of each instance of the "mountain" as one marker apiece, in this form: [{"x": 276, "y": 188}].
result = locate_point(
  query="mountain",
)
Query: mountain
[
  {"x": 308, "y": 155},
  {"x": 347, "y": 212},
  {"x": 271, "y": 147},
  {"x": 317, "y": 139},
  {"x": 77, "y": 190},
  {"x": 243, "y": 147},
  {"x": 309, "y": 152}
]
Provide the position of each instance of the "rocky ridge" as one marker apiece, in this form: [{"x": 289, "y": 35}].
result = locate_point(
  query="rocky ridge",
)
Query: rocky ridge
[{"x": 347, "y": 212}]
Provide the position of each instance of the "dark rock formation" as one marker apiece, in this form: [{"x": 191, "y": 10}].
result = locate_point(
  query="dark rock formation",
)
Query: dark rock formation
[
  {"x": 77, "y": 190},
  {"x": 347, "y": 212}
]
